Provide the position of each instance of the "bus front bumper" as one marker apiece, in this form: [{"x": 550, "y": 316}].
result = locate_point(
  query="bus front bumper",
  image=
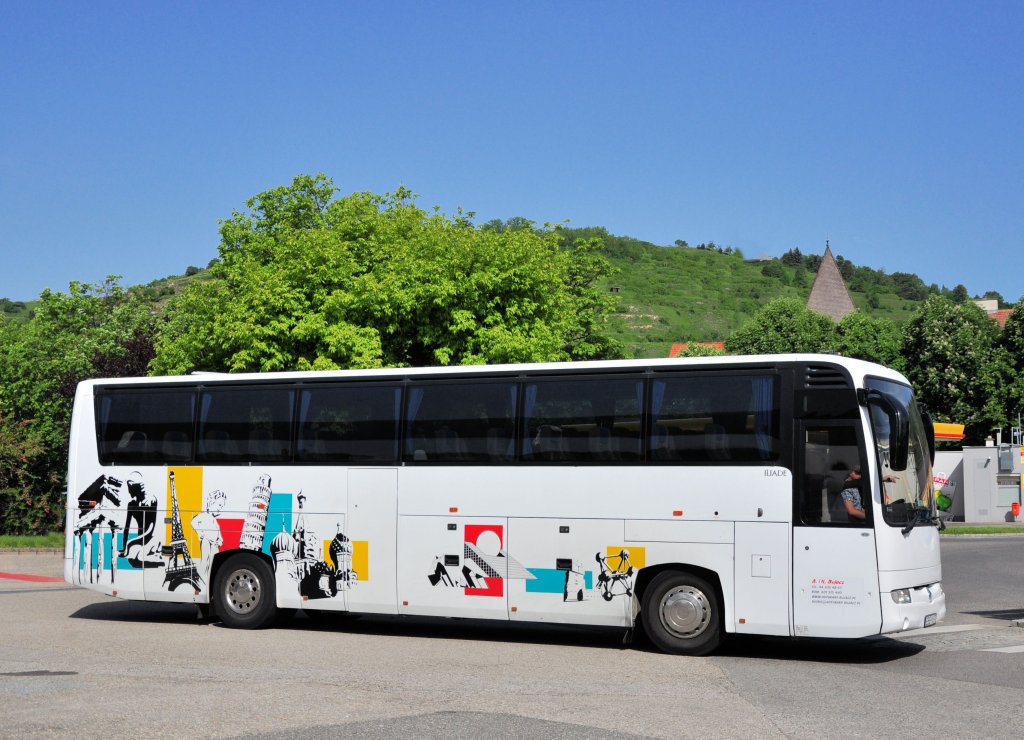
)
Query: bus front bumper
[{"x": 912, "y": 608}]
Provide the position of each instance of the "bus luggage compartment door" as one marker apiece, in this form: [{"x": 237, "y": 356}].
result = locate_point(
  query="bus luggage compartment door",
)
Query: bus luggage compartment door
[{"x": 372, "y": 525}]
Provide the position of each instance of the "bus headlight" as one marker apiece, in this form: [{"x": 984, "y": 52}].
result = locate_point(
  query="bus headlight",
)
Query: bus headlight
[{"x": 901, "y": 596}]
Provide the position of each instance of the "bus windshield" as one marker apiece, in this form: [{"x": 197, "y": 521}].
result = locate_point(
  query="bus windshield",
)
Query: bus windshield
[{"x": 906, "y": 494}]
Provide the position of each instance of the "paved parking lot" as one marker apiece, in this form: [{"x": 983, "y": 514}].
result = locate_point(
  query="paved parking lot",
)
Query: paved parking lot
[{"x": 76, "y": 663}]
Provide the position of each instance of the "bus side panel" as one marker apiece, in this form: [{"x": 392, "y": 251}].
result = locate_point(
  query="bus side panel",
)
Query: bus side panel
[
  {"x": 577, "y": 571},
  {"x": 453, "y": 566}
]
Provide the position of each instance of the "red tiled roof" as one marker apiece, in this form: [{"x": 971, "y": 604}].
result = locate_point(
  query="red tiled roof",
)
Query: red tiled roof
[{"x": 1001, "y": 316}]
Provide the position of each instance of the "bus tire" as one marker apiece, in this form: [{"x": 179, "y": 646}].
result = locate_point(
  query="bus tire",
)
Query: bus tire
[
  {"x": 244, "y": 592},
  {"x": 681, "y": 613}
]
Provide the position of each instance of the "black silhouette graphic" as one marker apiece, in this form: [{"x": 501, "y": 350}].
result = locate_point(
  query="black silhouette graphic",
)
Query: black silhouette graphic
[
  {"x": 99, "y": 509},
  {"x": 616, "y": 577},
  {"x": 295, "y": 555},
  {"x": 180, "y": 568},
  {"x": 143, "y": 550}
]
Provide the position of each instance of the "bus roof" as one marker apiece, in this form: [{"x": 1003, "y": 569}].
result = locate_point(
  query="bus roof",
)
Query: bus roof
[{"x": 859, "y": 369}]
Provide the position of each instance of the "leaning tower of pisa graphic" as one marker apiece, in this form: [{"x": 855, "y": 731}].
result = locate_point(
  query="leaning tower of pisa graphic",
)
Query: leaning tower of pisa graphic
[{"x": 256, "y": 519}]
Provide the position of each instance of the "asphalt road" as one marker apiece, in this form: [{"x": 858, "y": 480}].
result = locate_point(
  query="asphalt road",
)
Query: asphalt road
[{"x": 74, "y": 663}]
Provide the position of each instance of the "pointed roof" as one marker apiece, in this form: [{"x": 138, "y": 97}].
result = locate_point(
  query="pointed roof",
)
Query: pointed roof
[{"x": 829, "y": 295}]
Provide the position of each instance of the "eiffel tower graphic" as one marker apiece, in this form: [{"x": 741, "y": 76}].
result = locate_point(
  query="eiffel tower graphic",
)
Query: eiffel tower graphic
[{"x": 180, "y": 568}]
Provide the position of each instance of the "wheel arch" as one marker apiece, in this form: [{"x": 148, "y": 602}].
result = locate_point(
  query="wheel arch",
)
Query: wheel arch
[
  {"x": 222, "y": 558},
  {"x": 645, "y": 575}
]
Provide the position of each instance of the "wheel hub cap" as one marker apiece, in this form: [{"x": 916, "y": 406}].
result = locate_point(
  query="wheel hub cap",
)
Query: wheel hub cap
[
  {"x": 685, "y": 612},
  {"x": 243, "y": 591}
]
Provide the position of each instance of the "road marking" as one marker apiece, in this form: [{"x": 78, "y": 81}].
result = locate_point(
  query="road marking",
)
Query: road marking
[
  {"x": 1010, "y": 649},
  {"x": 32, "y": 578},
  {"x": 937, "y": 630}
]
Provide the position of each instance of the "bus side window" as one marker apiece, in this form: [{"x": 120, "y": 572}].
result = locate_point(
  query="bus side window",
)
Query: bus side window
[
  {"x": 582, "y": 420},
  {"x": 133, "y": 425},
  {"x": 460, "y": 422},
  {"x": 830, "y": 454},
  {"x": 704, "y": 418},
  {"x": 354, "y": 423},
  {"x": 246, "y": 424}
]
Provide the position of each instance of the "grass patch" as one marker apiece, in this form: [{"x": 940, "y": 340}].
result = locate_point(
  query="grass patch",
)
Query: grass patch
[
  {"x": 54, "y": 540},
  {"x": 983, "y": 530}
]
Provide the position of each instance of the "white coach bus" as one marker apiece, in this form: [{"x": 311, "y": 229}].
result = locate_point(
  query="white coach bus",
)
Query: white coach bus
[{"x": 771, "y": 495}]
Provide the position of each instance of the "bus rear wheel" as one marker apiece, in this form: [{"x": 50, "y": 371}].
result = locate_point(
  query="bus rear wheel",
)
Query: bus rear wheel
[
  {"x": 243, "y": 592},
  {"x": 681, "y": 614}
]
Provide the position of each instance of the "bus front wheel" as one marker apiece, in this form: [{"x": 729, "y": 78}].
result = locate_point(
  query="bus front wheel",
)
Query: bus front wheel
[
  {"x": 681, "y": 614},
  {"x": 244, "y": 592}
]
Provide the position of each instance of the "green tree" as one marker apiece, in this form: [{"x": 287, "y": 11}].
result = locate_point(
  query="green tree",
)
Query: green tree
[
  {"x": 800, "y": 279},
  {"x": 1012, "y": 342},
  {"x": 90, "y": 331},
  {"x": 19, "y": 450},
  {"x": 308, "y": 280},
  {"x": 954, "y": 360},
  {"x": 775, "y": 270},
  {"x": 783, "y": 325},
  {"x": 867, "y": 338},
  {"x": 793, "y": 257},
  {"x": 960, "y": 294}
]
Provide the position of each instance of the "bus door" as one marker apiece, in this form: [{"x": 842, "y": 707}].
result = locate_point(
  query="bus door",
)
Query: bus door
[
  {"x": 835, "y": 567},
  {"x": 372, "y": 528}
]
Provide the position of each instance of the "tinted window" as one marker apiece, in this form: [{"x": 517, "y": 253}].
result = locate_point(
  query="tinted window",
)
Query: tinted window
[
  {"x": 145, "y": 426},
  {"x": 460, "y": 422},
  {"x": 708, "y": 418},
  {"x": 832, "y": 476},
  {"x": 245, "y": 424},
  {"x": 349, "y": 424},
  {"x": 582, "y": 420}
]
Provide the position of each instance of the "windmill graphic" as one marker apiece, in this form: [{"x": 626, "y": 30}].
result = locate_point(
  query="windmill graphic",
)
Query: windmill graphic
[{"x": 180, "y": 568}]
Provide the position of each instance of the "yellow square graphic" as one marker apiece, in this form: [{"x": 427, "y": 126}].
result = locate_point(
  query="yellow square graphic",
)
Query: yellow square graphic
[{"x": 634, "y": 556}]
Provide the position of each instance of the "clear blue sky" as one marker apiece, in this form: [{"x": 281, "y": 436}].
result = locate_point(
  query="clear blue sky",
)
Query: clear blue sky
[{"x": 127, "y": 129}]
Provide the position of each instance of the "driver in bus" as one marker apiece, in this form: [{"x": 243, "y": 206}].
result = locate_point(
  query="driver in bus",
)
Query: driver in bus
[{"x": 851, "y": 494}]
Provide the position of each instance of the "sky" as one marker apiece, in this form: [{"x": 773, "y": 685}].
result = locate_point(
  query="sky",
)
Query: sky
[{"x": 891, "y": 129}]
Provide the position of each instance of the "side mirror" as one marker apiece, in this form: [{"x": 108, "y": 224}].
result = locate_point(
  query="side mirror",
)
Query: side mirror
[{"x": 899, "y": 428}]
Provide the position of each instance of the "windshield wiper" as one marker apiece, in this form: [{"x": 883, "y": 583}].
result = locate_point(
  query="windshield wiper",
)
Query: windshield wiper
[{"x": 913, "y": 518}]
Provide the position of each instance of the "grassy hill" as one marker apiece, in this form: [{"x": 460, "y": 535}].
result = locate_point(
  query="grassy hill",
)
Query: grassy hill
[
  {"x": 682, "y": 294},
  {"x": 665, "y": 294}
]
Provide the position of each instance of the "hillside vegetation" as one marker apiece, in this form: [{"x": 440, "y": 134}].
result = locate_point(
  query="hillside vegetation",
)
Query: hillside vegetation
[
  {"x": 675, "y": 294},
  {"x": 696, "y": 294}
]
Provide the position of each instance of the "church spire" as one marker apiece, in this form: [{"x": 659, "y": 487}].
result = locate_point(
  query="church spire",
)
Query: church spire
[{"x": 829, "y": 295}]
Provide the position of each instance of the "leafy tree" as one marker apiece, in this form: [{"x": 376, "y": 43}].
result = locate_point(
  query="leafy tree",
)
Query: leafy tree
[
  {"x": 909, "y": 286},
  {"x": 1012, "y": 342},
  {"x": 867, "y": 338},
  {"x": 783, "y": 325},
  {"x": 774, "y": 270},
  {"x": 19, "y": 450},
  {"x": 696, "y": 349},
  {"x": 90, "y": 331},
  {"x": 310, "y": 280},
  {"x": 954, "y": 360},
  {"x": 793, "y": 257},
  {"x": 960, "y": 295}
]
